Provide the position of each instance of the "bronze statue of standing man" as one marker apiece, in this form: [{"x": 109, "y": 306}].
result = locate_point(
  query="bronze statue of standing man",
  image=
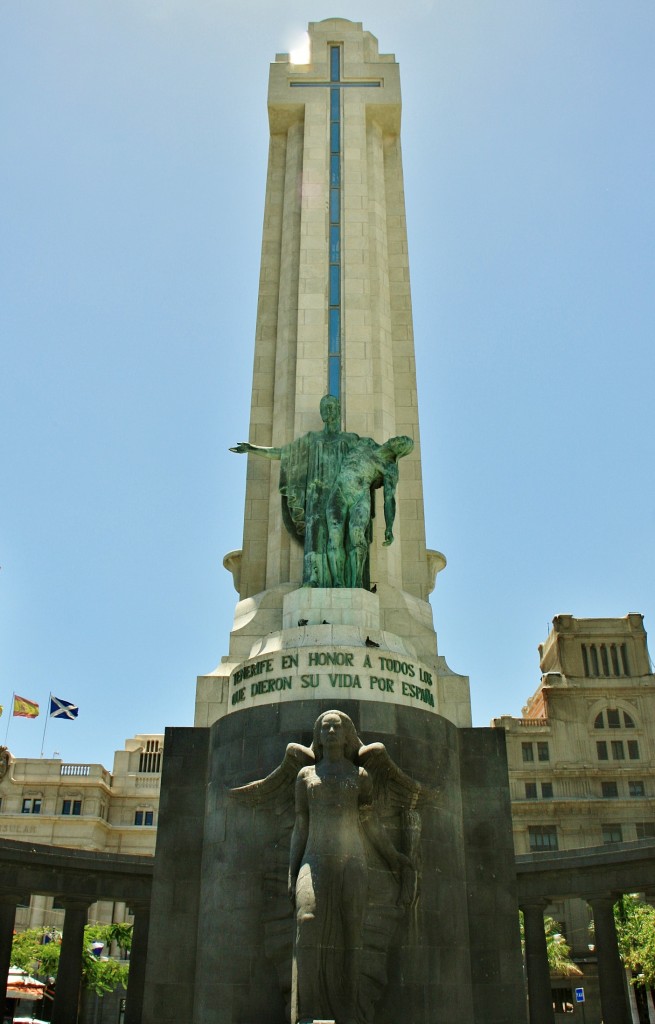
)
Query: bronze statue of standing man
[
  {"x": 327, "y": 478},
  {"x": 309, "y": 467}
]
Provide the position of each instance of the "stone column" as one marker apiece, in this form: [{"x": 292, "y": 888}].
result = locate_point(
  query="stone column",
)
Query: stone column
[
  {"x": 69, "y": 975},
  {"x": 40, "y": 913},
  {"x": 613, "y": 1000},
  {"x": 8, "y": 902},
  {"x": 540, "y": 1001},
  {"x": 138, "y": 956},
  {"x": 632, "y": 998}
]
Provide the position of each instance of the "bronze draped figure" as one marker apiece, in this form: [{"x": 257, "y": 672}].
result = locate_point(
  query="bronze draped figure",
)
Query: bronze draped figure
[{"x": 327, "y": 484}]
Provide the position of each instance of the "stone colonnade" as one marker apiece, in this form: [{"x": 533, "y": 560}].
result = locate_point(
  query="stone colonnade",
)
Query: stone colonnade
[
  {"x": 77, "y": 878},
  {"x": 611, "y": 976},
  {"x": 599, "y": 875}
]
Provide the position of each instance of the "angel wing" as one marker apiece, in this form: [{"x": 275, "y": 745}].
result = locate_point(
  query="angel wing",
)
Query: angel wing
[
  {"x": 278, "y": 786},
  {"x": 275, "y": 794},
  {"x": 397, "y": 799},
  {"x": 391, "y": 786},
  {"x": 398, "y": 795}
]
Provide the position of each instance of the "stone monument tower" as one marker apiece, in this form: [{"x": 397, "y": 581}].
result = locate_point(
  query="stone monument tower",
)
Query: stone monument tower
[{"x": 334, "y": 838}]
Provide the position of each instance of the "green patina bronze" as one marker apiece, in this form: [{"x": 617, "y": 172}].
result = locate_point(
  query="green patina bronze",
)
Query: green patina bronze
[{"x": 327, "y": 480}]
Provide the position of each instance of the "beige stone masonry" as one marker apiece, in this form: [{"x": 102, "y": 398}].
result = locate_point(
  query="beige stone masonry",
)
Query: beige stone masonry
[{"x": 290, "y": 370}]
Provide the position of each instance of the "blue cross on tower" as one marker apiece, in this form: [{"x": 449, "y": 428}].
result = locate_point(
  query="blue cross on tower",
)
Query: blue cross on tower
[{"x": 335, "y": 333}]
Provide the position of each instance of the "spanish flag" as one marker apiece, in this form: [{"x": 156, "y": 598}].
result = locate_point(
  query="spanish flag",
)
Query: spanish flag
[{"x": 25, "y": 708}]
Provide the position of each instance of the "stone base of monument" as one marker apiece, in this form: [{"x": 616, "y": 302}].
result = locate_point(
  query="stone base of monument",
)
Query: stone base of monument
[
  {"x": 315, "y": 605},
  {"x": 222, "y": 862}
]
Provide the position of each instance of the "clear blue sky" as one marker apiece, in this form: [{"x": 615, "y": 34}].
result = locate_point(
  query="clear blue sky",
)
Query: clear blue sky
[{"x": 132, "y": 182}]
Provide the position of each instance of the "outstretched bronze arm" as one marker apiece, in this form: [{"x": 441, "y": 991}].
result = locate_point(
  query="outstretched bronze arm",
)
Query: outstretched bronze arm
[{"x": 256, "y": 449}]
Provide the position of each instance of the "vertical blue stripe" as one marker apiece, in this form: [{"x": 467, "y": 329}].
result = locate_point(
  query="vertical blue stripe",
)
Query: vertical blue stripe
[
  {"x": 335, "y": 105},
  {"x": 335, "y": 169},
  {"x": 334, "y": 378},
  {"x": 334, "y": 240},
  {"x": 335, "y": 243},
  {"x": 335, "y": 285},
  {"x": 334, "y": 331},
  {"x": 335, "y": 204},
  {"x": 335, "y": 63}
]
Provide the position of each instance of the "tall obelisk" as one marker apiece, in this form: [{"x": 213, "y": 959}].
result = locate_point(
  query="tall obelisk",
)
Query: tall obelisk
[
  {"x": 334, "y": 301},
  {"x": 334, "y": 316}
]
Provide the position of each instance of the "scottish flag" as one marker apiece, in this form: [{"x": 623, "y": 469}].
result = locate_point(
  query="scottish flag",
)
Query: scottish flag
[{"x": 62, "y": 708}]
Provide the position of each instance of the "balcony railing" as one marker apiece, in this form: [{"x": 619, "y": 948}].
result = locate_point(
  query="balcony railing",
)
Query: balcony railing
[{"x": 75, "y": 769}]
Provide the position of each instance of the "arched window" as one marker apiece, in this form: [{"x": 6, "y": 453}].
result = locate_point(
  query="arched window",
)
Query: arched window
[
  {"x": 616, "y": 748},
  {"x": 614, "y": 718}
]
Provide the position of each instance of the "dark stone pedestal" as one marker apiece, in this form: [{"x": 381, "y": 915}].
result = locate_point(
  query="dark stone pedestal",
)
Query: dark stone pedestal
[{"x": 221, "y": 926}]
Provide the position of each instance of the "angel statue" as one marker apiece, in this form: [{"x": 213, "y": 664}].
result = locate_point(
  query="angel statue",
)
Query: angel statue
[{"x": 348, "y": 883}]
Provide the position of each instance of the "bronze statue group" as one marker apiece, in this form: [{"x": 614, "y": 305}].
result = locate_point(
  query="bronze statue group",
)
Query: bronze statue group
[{"x": 327, "y": 483}]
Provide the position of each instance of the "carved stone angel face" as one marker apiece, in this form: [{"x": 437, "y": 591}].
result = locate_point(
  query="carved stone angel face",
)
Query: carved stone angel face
[
  {"x": 332, "y": 733},
  {"x": 334, "y": 727}
]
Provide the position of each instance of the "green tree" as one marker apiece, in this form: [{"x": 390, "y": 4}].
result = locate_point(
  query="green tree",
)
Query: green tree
[
  {"x": 557, "y": 948},
  {"x": 635, "y": 929},
  {"x": 559, "y": 952},
  {"x": 37, "y": 952}
]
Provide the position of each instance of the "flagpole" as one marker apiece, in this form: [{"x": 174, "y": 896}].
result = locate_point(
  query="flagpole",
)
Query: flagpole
[
  {"x": 9, "y": 717},
  {"x": 47, "y": 718}
]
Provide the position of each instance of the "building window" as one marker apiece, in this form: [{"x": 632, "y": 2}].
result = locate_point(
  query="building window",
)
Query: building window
[
  {"x": 616, "y": 719},
  {"x": 546, "y": 790},
  {"x": 31, "y": 805},
  {"x": 601, "y": 750},
  {"x": 542, "y": 752},
  {"x": 143, "y": 817},
  {"x": 605, "y": 660},
  {"x": 531, "y": 791},
  {"x": 633, "y": 750},
  {"x": 645, "y": 829},
  {"x": 71, "y": 807},
  {"x": 610, "y": 789},
  {"x": 636, "y": 788},
  {"x": 527, "y": 752},
  {"x": 150, "y": 758},
  {"x": 612, "y": 834},
  {"x": 618, "y": 753},
  {"x": 562, "y": 1000},
  {"x": 542, "y": 838}
]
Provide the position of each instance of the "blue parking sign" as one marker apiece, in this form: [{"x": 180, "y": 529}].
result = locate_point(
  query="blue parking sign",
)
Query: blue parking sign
[{"x": 579, "y": 995}]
